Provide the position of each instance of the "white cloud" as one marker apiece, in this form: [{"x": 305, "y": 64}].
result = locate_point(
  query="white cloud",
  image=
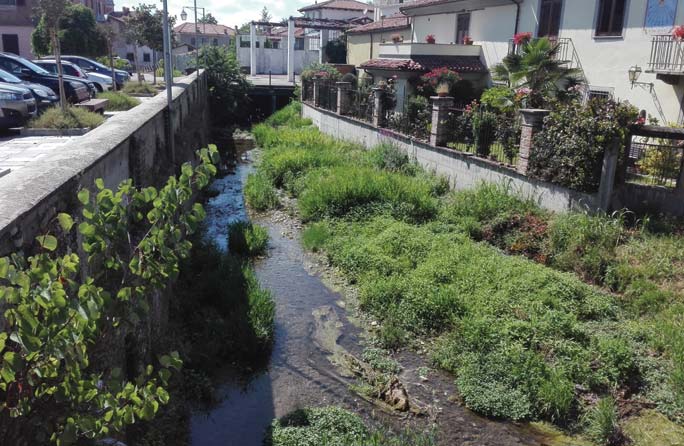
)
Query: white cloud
[{"x": 228, "y": 12}]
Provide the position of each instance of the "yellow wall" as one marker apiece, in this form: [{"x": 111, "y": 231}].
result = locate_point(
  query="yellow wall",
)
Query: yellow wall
[{"x": 363, "y": 47}]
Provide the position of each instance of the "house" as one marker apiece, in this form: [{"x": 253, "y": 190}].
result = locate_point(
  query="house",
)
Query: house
[
  {"x": 16, "y": 24},
  {"x": 204, "y": 34},
  {"x": 124, "y": 49},
  {"x": 271, "y": 50},
  {"x": 350, "y": 11},
  {"x": 605, "y": 39},
  {"x": 387, "y": 8},
  {"x": 363, "y": 42}
]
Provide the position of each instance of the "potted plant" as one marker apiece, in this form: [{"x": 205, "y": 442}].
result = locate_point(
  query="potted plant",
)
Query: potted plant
[
  {"x": 430, "y": 38},
  {"x": 522, "y": 38},
  {"x": 678, "y": 32},
  {"x": 442, "y": 90},
  {"x": 467, "y": 40},
  {"x": 396, "y": 38}
]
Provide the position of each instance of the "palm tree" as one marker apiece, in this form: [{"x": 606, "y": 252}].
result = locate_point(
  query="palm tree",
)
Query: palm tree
[{"x": 538, "y": 68}]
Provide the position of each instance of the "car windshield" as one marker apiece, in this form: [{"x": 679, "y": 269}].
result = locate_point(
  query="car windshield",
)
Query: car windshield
[
  {"x": 98, "y": 65},
  {"x": 34, "y": 67},
  {"x": 9, "y": 77}
]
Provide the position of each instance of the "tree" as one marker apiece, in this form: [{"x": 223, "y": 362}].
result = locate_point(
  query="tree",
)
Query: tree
[
  {"x": 265, "y": 15},
  {"x": 208, "y": 19},
  {"x": 228, "y": 86},
  {"x": 145, "y": 26},
  {"x": 52, "y": 12},
  {"x": 109, "y": 35},
  {"x": 78, "y": 33},
  {"x": 539, "y": 69}
]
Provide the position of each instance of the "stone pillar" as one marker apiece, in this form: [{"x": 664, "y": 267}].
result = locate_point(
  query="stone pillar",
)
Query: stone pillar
[
  {"x": 290, "y": 50},
  {"x": 608, "y": 170},
  {"x": 252, "y": 49},
  {"x": 317, "y": 91},
  {"x": 440, "y": 113},
  {"x": 680, "y": 178},
  {"x": 532, "y": 121},
  {"x": 324, "y": 35},
  {"x": 343, "y": 97},
  {"x": 378, "y": 112}
]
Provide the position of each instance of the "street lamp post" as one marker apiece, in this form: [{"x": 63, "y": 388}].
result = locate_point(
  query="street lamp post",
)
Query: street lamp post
[{"x": 184, "y": 16}]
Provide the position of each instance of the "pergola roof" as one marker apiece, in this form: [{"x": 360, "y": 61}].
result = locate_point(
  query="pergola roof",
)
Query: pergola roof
[
  {"x": 460, "y": 64},
  {"x": 310, "y": 23}
]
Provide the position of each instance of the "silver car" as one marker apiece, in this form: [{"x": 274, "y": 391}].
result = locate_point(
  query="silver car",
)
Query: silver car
[{"x": 17, "y": 105}]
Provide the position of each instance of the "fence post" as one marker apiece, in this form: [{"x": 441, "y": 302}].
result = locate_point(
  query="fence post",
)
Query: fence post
[
  {"x": 317, "y": 92},
  {"x": 680, "y": 177},
  {"x": 343, "y": 97},
  {"x": 532, "y": 121},
  {"x": 608, "y": 170},
  {"x": 378, "y": 112},
  {"x": 440, "y": 112}
]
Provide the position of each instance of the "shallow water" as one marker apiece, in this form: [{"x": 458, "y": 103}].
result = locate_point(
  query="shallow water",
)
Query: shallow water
[{"x": 309, "y": 328}]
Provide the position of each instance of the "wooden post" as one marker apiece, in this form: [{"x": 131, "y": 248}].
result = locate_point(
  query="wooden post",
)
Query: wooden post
[{"x": 440, "y": 113}]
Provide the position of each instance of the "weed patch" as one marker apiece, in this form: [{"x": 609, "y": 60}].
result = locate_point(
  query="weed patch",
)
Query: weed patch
[
  {"x": 118, "y": 101},
  {"x": 71, "y": 118}
]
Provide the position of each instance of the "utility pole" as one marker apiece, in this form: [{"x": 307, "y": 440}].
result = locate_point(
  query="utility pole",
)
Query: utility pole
[{"x": 168, "y": 77}]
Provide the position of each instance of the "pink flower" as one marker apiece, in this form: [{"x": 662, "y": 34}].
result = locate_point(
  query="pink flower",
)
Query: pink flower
[
  {"x": 430, "y": 38},
  {"x": 678, "y": 32},
  {"x": 523, "y": 91},
  {"x": 522, "y": 38}
]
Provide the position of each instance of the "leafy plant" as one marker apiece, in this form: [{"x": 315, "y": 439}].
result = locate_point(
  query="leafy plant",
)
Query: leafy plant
[
  {"x": 247, "y": 239},
  {"x": 69, "y": 118},
  {"x": 259, "y": 193},
  {"x": 55, "y": 310},
  {"x": 118, "y": 101},
  {"x": 138, "y": 88},
  {"x": 227, "y": 85},
  {"x": 602, "y": 422}
]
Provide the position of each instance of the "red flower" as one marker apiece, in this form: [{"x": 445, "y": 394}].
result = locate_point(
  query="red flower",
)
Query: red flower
[
  {"x": 430, "y": 38},
  {"x": 678, "y": 32},
  {"x": 522, "y": 38}
]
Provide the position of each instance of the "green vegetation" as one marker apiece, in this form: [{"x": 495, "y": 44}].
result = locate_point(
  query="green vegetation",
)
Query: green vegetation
[
  {"x": 118, "y": 101},
  {"x": 134, "y": 87},
  {"x": 71, "y": 118},
  {"x": 246, "y": 239},
  {"x": 333, "y": 426},
  {"x": 227, "y": 84},
  {"x": 58, "y": 385},
  {"x": 526, "y": 337},
  {"x": 260, "y": 193}
]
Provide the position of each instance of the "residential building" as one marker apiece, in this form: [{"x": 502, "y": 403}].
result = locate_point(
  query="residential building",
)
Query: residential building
[
  {"x": 363, "y": 42},
  {"x": 204, "y": 34},
  {"x": 350, "y": 11},
  {"x": 388, "y": 8},
  {"x": 16, "y": 24},
  {"x": 124, "y": 49},
  {"x": 603, "y": 38}
]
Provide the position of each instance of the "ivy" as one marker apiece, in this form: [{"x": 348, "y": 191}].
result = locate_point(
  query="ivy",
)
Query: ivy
[{"x": 60, "y": 303}]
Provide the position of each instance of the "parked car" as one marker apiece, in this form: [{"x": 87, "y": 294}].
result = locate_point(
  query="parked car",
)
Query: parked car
[
  {"x": 75, "y": 89},
  {"x": 44, "y": 96},
  {"x": 17, "y": 106},
  {"x": 102, "y": 82},
  {"x": 89, "y": 65}
]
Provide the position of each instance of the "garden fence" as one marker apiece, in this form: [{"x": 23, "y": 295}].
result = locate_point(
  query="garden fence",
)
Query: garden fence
[
  {"x": 654, "y": 161},
  {"x": 307, "y": 91},
  {"x": 328, "y": 95},
  {"x": 414, "y": 119},
  {"x": 361, "y": 102}
]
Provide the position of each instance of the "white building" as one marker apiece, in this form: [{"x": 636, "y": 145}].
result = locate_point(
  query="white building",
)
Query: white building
[{"x": 603, "y": 37}]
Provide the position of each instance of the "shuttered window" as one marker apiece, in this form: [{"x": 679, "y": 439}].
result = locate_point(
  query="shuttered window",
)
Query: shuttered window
[
  {"x": 611, "y": 17},
  {"x": 550, "y": 18}
]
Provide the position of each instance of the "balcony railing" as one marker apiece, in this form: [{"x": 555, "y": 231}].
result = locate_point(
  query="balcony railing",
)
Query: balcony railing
[{"x": 667, "y": 55}]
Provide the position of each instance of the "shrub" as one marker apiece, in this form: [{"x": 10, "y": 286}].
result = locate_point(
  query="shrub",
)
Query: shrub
[
  {"x": 139, "y": 88},
  {"x": 324, "y": 71},
  {"x": 556, "y": 396},
  {"x": 118, "y": 101},
  {"x": 246, "y": 239},
  {"x": 71, "y": 118},
  {"x": 315, "y": 236},
  {"x": 260, "y": 193},
  {"x": 387, "y": 156},
  {"x": 569, "y": 149},
  {"x": 261, "y": 312},
  {"x": 329, "y": 426},
  {"x": 501, "y": 99},
  {"x": 228, "y": 86},
  {"x": 484, "y": 131}
]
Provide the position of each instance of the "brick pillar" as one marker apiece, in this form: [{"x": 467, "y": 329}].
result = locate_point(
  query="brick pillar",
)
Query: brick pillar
[
  {"x": 317, "y": 92},
  {"x": 378, "y": 112},
  {"x": 343, "y": 97},
  {"x": 440, "y": 113},
  {"x": 532, "y": 121}
]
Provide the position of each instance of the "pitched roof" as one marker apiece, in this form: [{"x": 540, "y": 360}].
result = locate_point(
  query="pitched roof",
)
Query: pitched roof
[
  {"x": 351, "y": 5},
  {"x": 460, "y": 64},
  {"x": 204, "y": 28},
  {"x": 423, "y": 3},
  {"x": 386, "y": 24}
]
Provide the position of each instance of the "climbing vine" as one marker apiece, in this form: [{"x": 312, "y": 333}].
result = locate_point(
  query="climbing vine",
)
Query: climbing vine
[{"x": 60, "y": 304}]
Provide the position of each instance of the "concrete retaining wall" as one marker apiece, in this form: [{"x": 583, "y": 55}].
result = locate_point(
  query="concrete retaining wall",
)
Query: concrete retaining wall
[
  {"x": 463, "y": 171},
  {"x": 129, "y": 145}
]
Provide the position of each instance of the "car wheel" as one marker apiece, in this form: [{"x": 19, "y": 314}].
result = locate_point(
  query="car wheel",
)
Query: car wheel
[{"x": 99, "y": 88}]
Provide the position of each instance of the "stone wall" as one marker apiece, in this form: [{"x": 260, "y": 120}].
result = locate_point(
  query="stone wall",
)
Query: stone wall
[
  {"x": 134, "y": 144},
  {"x": 464, "y": 171}
]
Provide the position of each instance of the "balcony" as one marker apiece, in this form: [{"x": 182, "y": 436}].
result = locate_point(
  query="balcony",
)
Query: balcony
[
  {"x": 410, "y": 49},
  {"x": 667, "y": 56}
]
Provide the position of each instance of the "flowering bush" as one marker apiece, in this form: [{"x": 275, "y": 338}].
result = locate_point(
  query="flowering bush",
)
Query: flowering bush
[
  {"x": 678, "y": 32},
  {"x": 441, "y": 75},
  {"x": 323, "y": 71},
  {"x": 522, "y": 38},
  {"x": 430, "y": 38}
]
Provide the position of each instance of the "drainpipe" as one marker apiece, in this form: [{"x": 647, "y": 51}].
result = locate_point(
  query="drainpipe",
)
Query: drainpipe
[{"x": 517, "y": 15}]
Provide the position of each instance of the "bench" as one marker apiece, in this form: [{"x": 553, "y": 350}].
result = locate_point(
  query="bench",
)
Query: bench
[{"x": 94, "y": 105}]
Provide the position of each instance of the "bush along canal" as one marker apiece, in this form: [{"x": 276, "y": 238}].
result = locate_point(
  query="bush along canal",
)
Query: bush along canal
[{"x": 551, "y": 329}]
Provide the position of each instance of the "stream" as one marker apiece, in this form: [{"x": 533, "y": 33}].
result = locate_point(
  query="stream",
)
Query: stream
[{"x": 311, "y": 327}]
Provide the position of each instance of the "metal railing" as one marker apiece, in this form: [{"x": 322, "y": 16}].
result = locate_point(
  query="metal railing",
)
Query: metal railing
[
  {"x": 328, "y": 95},
  {"x": 655, "y": 163},
  {"x": 414, "y": 119},
  {"x": 667, "y": 54},
  {"x": 307, "y": 91},
  {"x": 361, "y": 102}
]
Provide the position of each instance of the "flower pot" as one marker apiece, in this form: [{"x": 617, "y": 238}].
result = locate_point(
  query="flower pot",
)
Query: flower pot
[{"x": 442, "y": 94}]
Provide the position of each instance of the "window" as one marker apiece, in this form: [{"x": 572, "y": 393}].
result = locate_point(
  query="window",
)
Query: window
[
  {"x": 8, "y": 3},
  {"x": 130, "y": 56},
  {"x": 549, "y": 18},
  {"x": 611, "y": 17},
  {"x": 299, "y": 44},
  {"x": 462, "y": 27},
  {"x": 10, "y": 43},
  {"x": 146, "y": 57},
  {"x": 192, "y": 41},
  {"x": 11, "y": 66},
  {"x": 214, "y": 42}
]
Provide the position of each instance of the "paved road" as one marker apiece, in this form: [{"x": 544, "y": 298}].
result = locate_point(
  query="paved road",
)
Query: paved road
[{"x": 16, "y": 151}]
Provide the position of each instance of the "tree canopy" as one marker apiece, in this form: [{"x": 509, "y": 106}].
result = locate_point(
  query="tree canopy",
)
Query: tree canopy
[
  {"x": 78, "y": 32},
  {"x": 208, "y": 19}
]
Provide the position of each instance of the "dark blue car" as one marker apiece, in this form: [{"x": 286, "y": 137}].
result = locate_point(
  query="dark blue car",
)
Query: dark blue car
[{"x": 89, "y": 65}]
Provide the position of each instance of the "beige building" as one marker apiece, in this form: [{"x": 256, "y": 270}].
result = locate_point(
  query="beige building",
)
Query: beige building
[{"x": 363, "y": 42}]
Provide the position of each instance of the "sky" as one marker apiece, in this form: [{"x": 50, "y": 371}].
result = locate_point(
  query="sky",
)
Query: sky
[{"x": 228, "y": 12}]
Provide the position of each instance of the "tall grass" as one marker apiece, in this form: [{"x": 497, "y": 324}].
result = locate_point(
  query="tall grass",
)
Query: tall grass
[
  {"x": 260, "y": 193},
  {"x": 118, "y": 101},
  {"x": 71, "y": 118},
  {"x": 246, "y": 239}
]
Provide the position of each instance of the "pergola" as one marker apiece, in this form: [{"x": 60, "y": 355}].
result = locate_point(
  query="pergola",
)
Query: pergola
[{"x": 322, "y": 25}]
